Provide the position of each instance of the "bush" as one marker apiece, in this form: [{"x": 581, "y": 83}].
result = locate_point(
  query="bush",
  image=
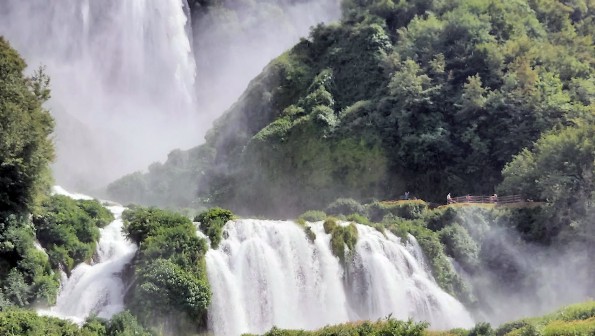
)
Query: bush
[
  {"x": 69, "y": 229},
  {"x": 345, "y": 206},
  {"x": 212, "y": 222},
  {"x": 459, "y": 245},
  {"x": 171, "y": 286},
  {"x": 343, "y": 237},
  {"x": 580, "y": 327},
  {"x": 439, "y": 218},
  {"x": 482, "y": 329},
  {"x": 404, "y": 209},
  {"x": 26, "y": 322},
  {"x": 310, "y": 234},
  {"x": 329, "y": 225},
  {"x": 359, "y": 219},
  {"x": 140, "y": 223},
  {"x": 165, "y": 285},
  {"x": 388, "y": 327},
  {"x": 97, "y": 211},
  {"x": 312, "y": 216}
]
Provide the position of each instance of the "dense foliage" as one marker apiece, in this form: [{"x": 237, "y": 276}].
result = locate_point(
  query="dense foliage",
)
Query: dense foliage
[
  {"x": 430, "y": 97},
  {"x": 69, "y": 229},
  {"x": 212, "y": 222},
  {"x": 170, "y": 290},
  {"x": 26, "y": 150},
  {"x": 388, "y": 327},
  {"x": 559, "y": 169},
  {"x": 28, "y": 323},
  {"x": 343, "y": 238},
  {"x": 25, "y": 127}
]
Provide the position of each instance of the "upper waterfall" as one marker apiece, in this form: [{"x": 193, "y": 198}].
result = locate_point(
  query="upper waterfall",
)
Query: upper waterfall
[
  {"x": 121, "y": 72},
  {"x": 268, "y": 273}
]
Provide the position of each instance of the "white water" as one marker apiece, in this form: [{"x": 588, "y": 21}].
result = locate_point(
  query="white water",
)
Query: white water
[
  {"x": 267, "y": 273},
  {"x": 96, "y": 289},
  {"x": 122, "y": 80}
]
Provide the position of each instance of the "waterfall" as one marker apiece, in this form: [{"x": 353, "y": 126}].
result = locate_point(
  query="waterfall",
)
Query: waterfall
[
  {"x": 267, "y": 273},
  {"x": 96, "y": 289},
  {"x": 122, "y": 80}
]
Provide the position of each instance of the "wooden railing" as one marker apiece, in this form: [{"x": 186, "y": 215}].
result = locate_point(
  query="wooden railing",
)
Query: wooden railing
[{"x": 486, "y": 199}]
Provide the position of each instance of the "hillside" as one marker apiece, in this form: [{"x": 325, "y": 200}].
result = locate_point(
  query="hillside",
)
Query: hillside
[{"x": 423, "y": 97}]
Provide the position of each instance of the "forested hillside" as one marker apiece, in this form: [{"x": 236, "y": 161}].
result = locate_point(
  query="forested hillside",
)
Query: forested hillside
[{"x": 426, "y": 97}]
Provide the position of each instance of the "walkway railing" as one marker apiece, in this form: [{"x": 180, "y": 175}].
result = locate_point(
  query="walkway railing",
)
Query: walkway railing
[{"x": 486, "y": 199}]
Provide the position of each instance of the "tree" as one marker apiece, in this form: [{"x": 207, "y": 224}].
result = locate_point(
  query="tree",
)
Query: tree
[
  {"x": 559, "y": 170},
  {"x": 25, "y": 127}
]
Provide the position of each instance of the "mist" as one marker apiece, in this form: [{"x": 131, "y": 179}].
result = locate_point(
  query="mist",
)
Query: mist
[
  {"x": 234, "y": 42},
  {"x": 133, "y": 80},
  {"x": 517, "y": 278}
]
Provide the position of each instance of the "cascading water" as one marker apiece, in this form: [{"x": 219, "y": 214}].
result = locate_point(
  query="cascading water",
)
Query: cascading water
[
  {"x": 268, "y": 273},
  {"x": 96, "y": 289},
  {"x": 121, "y": 72}
]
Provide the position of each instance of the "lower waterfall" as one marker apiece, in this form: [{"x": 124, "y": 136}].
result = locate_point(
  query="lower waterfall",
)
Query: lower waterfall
[
  {"x": 96, "y": 289},
  {"x": 268, "y": 273}
]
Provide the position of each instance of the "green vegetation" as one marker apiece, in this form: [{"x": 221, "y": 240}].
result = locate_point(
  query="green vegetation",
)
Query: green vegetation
[
  {"x": 25, "y": 145},
  {"x": 69, "y": 229},
  {"x": 573, "y": 320},
  {"x": 578, "y": 319},
  {"x": 342, "y": 237},
  {"x": 212, "y": 222},
  {"x": 28, "y": 323},
  {"x": 442, "y": 268},
  {"x": 388, "y": 327},
  {"x": 345, "y": 206},
  {"x": 559, "y": 169},
  {"x": 26, "y": 150},
  {"x": 410, "y": 209},
  {"x": 313, "y": 216},
  {"x": 170, "y": 290},
  {"x": 430, "y": 97}
]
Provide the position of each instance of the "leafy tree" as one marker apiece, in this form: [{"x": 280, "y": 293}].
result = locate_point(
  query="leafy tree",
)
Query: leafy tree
[
  {"x": 558, "y": 170},
  {"x": 25, "y": 127}
]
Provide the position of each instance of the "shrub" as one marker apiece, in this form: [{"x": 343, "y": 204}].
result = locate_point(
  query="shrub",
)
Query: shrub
[
  {"x": 343, "y": 237},
  {"x": 140, "y": 223},
  {"x": 310, "y": 234},
  {"x": 405, "y": 209},
  {"x": 459, "y": 245},
  {"x": 579, "y": 327},
  {"x": 387, "y": 327},
  {"x": 313, "y": 216},
  {"x": 329, "y": 225},
  {"x": 212, "y": 222},
  {"x": 170, "y": 270},
  {"x": 437, "y": 219},
  {"x": 26, "y": 322},
  {"x": 482, "y": 329},
  {"x": 357, "y": 218},
  {"x": 69, "y": 229},
  {"x": 345, "y": 206},
  {"x": 97, "y": 211}
]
